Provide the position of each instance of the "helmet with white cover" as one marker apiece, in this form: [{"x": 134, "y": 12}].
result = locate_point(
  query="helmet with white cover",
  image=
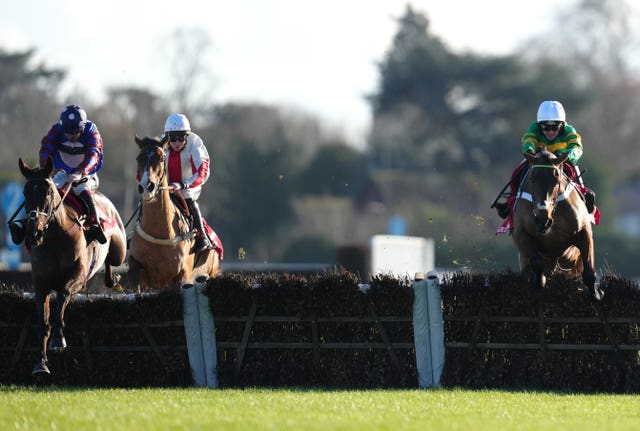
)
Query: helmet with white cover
[
  {"x": 551, "y": 110},
  {"x": 177, "y": 123}
]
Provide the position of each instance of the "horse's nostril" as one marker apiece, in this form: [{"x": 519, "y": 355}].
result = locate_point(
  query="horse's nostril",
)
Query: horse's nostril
[{"x": 150, "y": 187}]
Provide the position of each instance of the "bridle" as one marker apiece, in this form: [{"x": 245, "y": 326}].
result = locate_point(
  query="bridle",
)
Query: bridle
[
  {"x": 151, "y": 187},
  {"x": 549, "y": 205}
]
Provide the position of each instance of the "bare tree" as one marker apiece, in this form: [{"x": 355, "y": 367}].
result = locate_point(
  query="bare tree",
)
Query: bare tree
[{"x": 193, "y": 80}]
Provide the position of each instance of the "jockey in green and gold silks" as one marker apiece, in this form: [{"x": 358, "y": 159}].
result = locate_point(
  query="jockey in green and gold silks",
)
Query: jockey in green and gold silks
[
  {"x": 552, "y": 133},
  {"x": 567, "y": 141}
]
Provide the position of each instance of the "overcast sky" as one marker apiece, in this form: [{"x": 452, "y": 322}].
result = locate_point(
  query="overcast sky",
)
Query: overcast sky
[{"x": 316, "y": 55}]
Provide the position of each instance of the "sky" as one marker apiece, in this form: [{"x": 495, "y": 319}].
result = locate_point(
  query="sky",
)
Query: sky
[{"x": 318, "y": 56}]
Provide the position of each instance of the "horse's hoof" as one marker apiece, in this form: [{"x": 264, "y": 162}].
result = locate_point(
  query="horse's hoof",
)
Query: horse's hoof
[
  {"x": 113, "y": 282},
  {"x": 40, "y": 369},
  {"x": 57, "y": 345},
  {"x": 597, "y": 294}
]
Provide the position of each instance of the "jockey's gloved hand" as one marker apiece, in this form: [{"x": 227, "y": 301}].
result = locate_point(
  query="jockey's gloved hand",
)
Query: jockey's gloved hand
[
  {"x": 73, "y": 177},
  {"x": 178, "y": 186}
]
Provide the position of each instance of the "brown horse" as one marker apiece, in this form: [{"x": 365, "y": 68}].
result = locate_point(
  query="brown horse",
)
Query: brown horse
[
  {"x": 160, "y": 251},
  {"x": 552, "y": 228},
  {"x": 61, "y": 258}
]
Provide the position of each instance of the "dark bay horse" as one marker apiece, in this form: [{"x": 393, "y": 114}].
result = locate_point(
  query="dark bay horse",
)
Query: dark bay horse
[
  {"x": 160, "y": 251},
  {"x": 551, "y": 225},
  {"x": 61, "y": 258}
]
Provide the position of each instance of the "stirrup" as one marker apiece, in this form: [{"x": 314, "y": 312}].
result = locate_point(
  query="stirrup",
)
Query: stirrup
[
  {"x": 202, "y": 244},
  {"x": 590, "y": 200}
]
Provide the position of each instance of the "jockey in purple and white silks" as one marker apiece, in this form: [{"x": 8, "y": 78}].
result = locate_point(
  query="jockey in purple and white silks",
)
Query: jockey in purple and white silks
[{"x": 75, "y": 146}]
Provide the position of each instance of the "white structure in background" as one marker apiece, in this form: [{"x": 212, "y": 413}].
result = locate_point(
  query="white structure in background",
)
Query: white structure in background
[
  {"x": 11, "y": 200},
  {"x": 401, "y": 255}
]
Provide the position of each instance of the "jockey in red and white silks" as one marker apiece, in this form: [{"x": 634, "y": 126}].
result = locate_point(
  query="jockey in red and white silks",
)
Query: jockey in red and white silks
[
  {"x": 188, "y": 170},
  {"x": 189, "y": 167}
]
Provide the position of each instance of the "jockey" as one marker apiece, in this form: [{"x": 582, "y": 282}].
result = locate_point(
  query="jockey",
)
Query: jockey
[
  {"x": 75, "y": 146},
  {"x": 550, "y": 132},
  {"x": 188, "y": 170}
]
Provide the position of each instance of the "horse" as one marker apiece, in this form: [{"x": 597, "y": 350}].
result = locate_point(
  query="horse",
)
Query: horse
[
  {"x": 160, "y": 250},
  {"x": 61, "y": 258},
  {"x": 552, "y": 227}
]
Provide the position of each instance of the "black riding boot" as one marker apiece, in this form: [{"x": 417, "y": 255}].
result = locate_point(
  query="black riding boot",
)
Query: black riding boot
[
  {"x": 202, "y": 240},
  {"x": 18, "y": 231},
  {"x": 590, "y": 200},
  {"x": 503, "y": 209},
  {"x": 94, "y": 230}
]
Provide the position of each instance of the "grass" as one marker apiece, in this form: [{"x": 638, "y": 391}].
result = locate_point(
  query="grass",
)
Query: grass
[{"x": 33, "y": 408}]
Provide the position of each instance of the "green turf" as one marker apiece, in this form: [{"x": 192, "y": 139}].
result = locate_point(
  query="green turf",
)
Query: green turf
[{"x": 30, "y": 408}]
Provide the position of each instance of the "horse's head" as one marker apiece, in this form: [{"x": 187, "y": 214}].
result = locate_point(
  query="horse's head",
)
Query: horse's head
[
  {"x": 151, "y": 166},
  {"x": 545, "y": 182},
  {"x": 39, "y": 199}
]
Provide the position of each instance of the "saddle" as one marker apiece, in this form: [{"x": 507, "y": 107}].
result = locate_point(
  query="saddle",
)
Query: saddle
[
  {"x": 180, "y": 203},
  {"x": 106, "y": 222}
]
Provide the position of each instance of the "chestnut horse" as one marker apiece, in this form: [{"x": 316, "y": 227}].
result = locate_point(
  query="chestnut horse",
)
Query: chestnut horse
[
  {"x": 160, "y": 251},
  {"x": 61, "y": 258},
  {"x": 551, "y": 226}
]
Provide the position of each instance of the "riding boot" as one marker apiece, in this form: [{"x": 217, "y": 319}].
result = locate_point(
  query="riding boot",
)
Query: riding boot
[
  {"x": 503, "y": 209},
  {"x": 18, "y": 232},
  {"x": 94, "y": 230},
  {"x": 590, "y": 200},
  {"x": 202, "y": 240}
]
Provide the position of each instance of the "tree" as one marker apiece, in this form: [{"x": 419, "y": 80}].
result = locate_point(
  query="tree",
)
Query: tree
[
  {"x": 187, "y": 60},
  {"x": 28, "y": 105},
  {"x": 438, "y": 109},
  {"x": 336, "y": 169}
]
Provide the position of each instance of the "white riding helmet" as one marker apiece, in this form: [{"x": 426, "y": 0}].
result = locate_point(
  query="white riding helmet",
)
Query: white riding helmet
[
  {"x": 550, "y": 110},
  {"x": 177, "y": 123}
]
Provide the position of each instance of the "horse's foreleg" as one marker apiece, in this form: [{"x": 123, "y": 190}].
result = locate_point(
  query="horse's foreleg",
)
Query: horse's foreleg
[
  {"x": 133, "y": 274},
  {"x": 111, "y": 279},
  {"x": 531, "y": 262},
  {"x": 44, "y": 330},
  {"x": 58, "y": 343}
]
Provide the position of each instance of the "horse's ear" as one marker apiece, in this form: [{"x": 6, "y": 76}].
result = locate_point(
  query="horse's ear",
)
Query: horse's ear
[
  {"x": 48, "y": 167},
  {"x": 24, "y": 168},
  {"x": 138, "y": 140},
  {"x": 561, "y": 159},
  {"x": 165, "y": 140},
  {"x": 531, "y": 158}
]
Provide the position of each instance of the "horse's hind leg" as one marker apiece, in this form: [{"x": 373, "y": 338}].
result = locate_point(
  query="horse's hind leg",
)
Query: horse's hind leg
[{"x": 585, "y": 245}]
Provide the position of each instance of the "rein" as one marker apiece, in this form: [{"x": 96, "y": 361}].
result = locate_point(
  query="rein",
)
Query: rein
[{"x": 33, "y": 214}]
